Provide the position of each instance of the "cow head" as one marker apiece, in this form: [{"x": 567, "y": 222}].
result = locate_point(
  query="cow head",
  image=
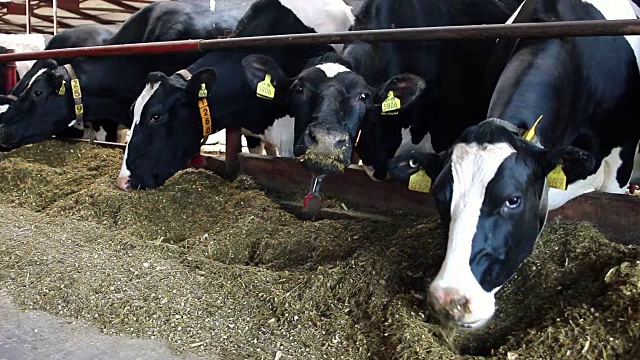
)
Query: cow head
[
  {"x": 329, "y": 102},
  {"x": 166, "y": 130},
  {"x": 490, "y": 189},
  {"x": 42, "y": 110}
]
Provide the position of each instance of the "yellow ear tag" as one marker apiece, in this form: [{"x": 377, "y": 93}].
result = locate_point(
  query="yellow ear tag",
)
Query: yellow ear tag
[
  {"x": 62, "y": 90},
  {"x": 557, "y": 179},
  {"x": 532, "y": 132},
  {"x": 79, "y": 109},
  {"x": 420, "y": 181},
  {"x": 390, "y": 105},
  {"x": 265, "y": 89},
  {"x": 203, "y": 91}
]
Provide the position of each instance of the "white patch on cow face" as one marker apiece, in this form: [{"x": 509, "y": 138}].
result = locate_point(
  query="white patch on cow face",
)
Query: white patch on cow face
[
  {"x": 472, "y": 166},
  {"x": 604, "y": 180},
  {"x": 324, "y": 16},
  {"x": 407, "y": 143},
  {"x": 40, "y": 72},
  {"x": 137, "y": 112},
  {"x": 619, "y": 10},
  {"x": 332, "y": 69},
  {"x": 4, "y": 108},
  {"x": 212, "y": 5}
]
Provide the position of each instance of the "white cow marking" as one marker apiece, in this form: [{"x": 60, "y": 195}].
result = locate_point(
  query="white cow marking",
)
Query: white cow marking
[
  {"x": 472, "y": 166},
  {"x": 407, "y": 143},
  {"x": 3, "y": 108},
  {"x": 324, "y": 16},
  {"x": 515, "y": 14},
  {"x": 137, "y": 112},
  {"x": 332, "y": 69},
  {"x": 40, "y": 72},
  {"x": 280, "y": 133},
  {"x": 604, "y": 180}
]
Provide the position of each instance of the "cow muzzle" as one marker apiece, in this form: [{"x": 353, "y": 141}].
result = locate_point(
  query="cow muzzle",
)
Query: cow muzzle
[
  {"x": 325, "y": 149},
  {"x": 123, "y": 182},
  {"x": 455, "y": 308}
]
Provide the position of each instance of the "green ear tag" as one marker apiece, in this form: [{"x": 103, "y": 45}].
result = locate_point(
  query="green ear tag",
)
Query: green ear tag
[
  {"x": 557, "y": 179},
  {"x": 203, "y": 91},
  {"x": 62, "y": 90},
  {"x": 420, "y": 181},
  {"x": 390, "y": 105},
  {"x": 265, "y": 89}
]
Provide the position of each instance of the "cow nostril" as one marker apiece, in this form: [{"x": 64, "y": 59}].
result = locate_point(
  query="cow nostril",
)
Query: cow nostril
[
  {"x": 341, "y": 144},
  {"x": 312, "y": 138}
]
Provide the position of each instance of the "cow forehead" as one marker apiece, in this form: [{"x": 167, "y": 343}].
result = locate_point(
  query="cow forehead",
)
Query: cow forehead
[
  {"x": 473, "y": 166},
  {"x": 146, "y": 94},
  {"x": 332, "y": 69},
  {"x": 38, "y": 74}
]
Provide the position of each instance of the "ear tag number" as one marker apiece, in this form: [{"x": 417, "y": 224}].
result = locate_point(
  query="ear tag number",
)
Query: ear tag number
[
  {"x": 75, "y": 89},
  {"x": 203, "y": 91},
  {"x": 532, "y": 132},
  {"x": 557, "y": 179},
  {"x": 205, "y": 116},
  {"x": 420, "y": 181},
  {"x": 62, "y": 90},
  {"x": 79, "y": 109},
  {"x": 390, "y": 105},
  {"x": 265, "y": 89}
]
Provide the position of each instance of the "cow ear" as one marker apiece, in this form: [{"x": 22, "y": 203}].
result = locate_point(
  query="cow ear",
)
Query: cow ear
[
  {"x": 57, "y": 80},
  {"x": 576, "y": 163},
  {"x": 262, "y": 70},
  {"x": 50, "y": 64},
  {"x": 403, "y": 166},
  {"x": 156, "y": 77},
  {"x": 5, "y": 100},
  {"x": 201, "y": 83},
  {"x": 399, "y": 92}
]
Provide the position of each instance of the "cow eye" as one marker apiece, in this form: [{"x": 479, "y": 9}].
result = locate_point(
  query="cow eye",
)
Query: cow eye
[
  {"x": 513, "y": 202},
  {"x": 37, "y": 93},
  {"x": 155, "y": 117},
  {"x": 413, "y": 164},
  {"x": 297, "y": 89},
  {"x": 364, "y": 97}
]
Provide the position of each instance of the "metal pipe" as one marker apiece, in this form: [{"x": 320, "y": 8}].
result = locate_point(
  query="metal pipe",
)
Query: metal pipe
[
  {"x": 523, "y": 30},
  {"x": 55, "y": 17},
  {"x": 28, "y": 13},
  {"x": 10, "y": 71}
]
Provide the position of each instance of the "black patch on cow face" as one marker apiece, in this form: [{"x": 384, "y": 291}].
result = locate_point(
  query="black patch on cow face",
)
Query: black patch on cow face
[
  {"x": 38, "y": 113},
  {"x": 166, "y": 137},
  {"x": 506, "y": 234}
]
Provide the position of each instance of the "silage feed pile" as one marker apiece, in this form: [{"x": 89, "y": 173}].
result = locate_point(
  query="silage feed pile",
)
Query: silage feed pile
[{"x": 219, "y": 270}]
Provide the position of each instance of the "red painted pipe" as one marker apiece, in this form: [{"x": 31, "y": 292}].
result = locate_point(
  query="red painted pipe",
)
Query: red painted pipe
[
  {"x": 10, "y": 73},
  {"x": 505, "y": 31}
]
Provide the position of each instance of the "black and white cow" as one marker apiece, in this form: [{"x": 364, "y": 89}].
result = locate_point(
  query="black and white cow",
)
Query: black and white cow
[
  {"x": 109, "y": 85},
  {"x": 167, "y": 128},
  {"x": 84, "y": 35},
  {"x": 79, "y": 36},
  {"x": 450, "y": 69},
  {"x": 491, "y": 187}
]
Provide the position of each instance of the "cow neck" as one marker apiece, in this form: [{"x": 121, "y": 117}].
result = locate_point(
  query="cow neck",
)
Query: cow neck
[{"x": 203, "y": 107}]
